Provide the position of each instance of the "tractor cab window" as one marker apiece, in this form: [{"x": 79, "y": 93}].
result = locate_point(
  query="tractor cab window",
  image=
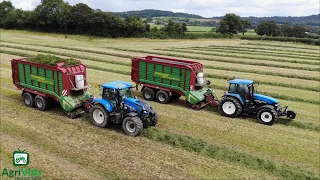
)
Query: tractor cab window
[
  {"x": 110, "y": 95},
  {"x": 244, "y": 92},
  {"x": 126, "y": 93},
  {"x": 233, "y": 88}
]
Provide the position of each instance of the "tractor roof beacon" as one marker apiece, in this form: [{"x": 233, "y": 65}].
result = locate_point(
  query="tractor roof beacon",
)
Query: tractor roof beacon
[
  {"x": 242, "y": 98},
  {"x": 118, "y": 105}
]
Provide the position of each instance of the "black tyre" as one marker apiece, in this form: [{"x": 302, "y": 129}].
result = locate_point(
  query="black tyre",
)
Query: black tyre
[
  {"x": 267, "y": 116},
  {"x": 230, "y": 107},
  {"x": 149, "y": 94},
  {"x": 28, "y": 99},
  {"x": 132, "y": 126},
  {"x": 163, "y": 97},
  {"x": 175, "y": 96},
  {"x": 99, "y": 116},
  {"x": 291, "y": 114},
  {"x": 41, "y": 103}
]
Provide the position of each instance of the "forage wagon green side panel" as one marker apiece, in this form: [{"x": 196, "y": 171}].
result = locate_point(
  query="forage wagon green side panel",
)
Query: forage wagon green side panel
[
  {"x": 166, "y": 70},
  {"x": 150, "y": 71},
  {"x": 176, "y": 72},
  {"x": 21, "y": 73},
  {"x": 60, "y": 83},
  {"x": 39, "y": 79},
  {"x": 142, "y": 70},
  {"x": 187, "y": 80},
  {"x": 27, "y": 69}
]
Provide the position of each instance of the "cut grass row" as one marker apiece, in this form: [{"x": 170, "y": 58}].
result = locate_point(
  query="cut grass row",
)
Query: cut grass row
[
  {"x": 240, "y": 50},
  {"x": 284, "y": 46},
  {"x": 213, "y": 59},
  {"x": 264, "y": 49},
  {"x": 235, "y": 61},
  {"x": 271, "y": 73},
  {"x": 222, "y": 153},
  {"x": 242, "y": 56},
  {"x": 28, "y": 54}
]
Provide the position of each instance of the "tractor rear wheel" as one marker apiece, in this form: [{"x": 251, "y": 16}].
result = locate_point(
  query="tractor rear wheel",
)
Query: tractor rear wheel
[
  {"x": 230, "y": 107},
  {"x": 28, "y": 99},
  {"x": 267, "y": 116},
  {"x": 163, "y": 97},
  {"x": 148, "y": 94},
  {"x": 41, "y": 103},
  {"x": 99, "y": 116},
  {"x": 132, "y": 126}
]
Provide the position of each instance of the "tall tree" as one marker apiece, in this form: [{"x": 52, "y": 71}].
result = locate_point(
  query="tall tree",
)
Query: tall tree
[
  {"x": 269, "y": 28},
  {"x": 245, "y": 25},
  {"x": 5, "y": 8},
  {"x": 230, "y": 24}
]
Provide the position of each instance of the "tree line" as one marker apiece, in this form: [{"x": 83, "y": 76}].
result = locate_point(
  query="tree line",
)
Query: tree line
[
  {"x": 233, "y": 24},
  {"x": 60, "y": 17}
]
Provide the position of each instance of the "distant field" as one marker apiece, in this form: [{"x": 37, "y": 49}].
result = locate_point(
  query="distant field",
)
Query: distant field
[
  {"x": 190, "y": 28},
  {"x": 185, "y": 144}
]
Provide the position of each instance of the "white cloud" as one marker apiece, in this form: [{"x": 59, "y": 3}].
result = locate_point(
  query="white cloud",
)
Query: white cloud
[{"x": 206, "y": 8}]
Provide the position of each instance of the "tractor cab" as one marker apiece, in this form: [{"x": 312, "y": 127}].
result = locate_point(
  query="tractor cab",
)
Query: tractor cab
[
  {"x": 241, "y": 98},
  {"x": 244, "y": 89}
]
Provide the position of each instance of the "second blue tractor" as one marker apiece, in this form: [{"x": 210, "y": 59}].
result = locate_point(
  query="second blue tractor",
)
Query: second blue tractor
[{"x": 241, "y": 98}]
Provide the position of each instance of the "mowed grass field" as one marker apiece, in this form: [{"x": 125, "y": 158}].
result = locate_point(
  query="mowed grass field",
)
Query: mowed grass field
[{"x": 185, "y": 144}]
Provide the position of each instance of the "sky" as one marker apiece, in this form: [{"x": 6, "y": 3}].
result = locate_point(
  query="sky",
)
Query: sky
[{"x": 205, "y": 8}]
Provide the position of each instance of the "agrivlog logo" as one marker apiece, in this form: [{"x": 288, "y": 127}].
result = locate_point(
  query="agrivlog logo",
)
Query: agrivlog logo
[{"x": 20, "y": 159}]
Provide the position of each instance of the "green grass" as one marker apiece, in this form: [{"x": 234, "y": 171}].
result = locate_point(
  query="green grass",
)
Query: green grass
[
  {"x": 226, "y": 154},
  {"x": 190, "y": 28},
  {"x": 243, "y": 56},
  {"x": 185, "y": 144},
  {"x": 244, "y": 50},
  {"x": 284, "y": 46}
]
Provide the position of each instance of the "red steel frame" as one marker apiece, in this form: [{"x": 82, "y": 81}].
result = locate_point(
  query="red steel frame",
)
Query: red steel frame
[
  {"x": 66, "y": 72},
  {"x": 191, "y": 65}
]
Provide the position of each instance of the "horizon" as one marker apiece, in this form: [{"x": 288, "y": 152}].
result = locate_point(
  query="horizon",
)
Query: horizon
[{"x": 204, "y": 8}]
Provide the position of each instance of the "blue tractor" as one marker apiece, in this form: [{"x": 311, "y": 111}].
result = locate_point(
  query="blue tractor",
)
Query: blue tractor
[
  {"x": 242, "y": 99},
  {"x": 118, "y": 105}
]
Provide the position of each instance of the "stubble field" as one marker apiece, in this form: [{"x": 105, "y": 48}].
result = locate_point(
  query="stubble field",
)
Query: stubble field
[{"x": 185, "y": 144}]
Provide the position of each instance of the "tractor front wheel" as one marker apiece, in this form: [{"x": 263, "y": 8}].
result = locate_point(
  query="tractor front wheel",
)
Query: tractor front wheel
[
  {"x": 132, "y": 126},
  {"x": 99, "y": 116},
  {"x": 230, "y": 107},
  {"x": 267, "y": 116}
]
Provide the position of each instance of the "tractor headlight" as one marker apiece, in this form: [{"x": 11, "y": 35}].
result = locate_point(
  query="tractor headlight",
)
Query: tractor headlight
[{"x": 144, "y": 115}]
